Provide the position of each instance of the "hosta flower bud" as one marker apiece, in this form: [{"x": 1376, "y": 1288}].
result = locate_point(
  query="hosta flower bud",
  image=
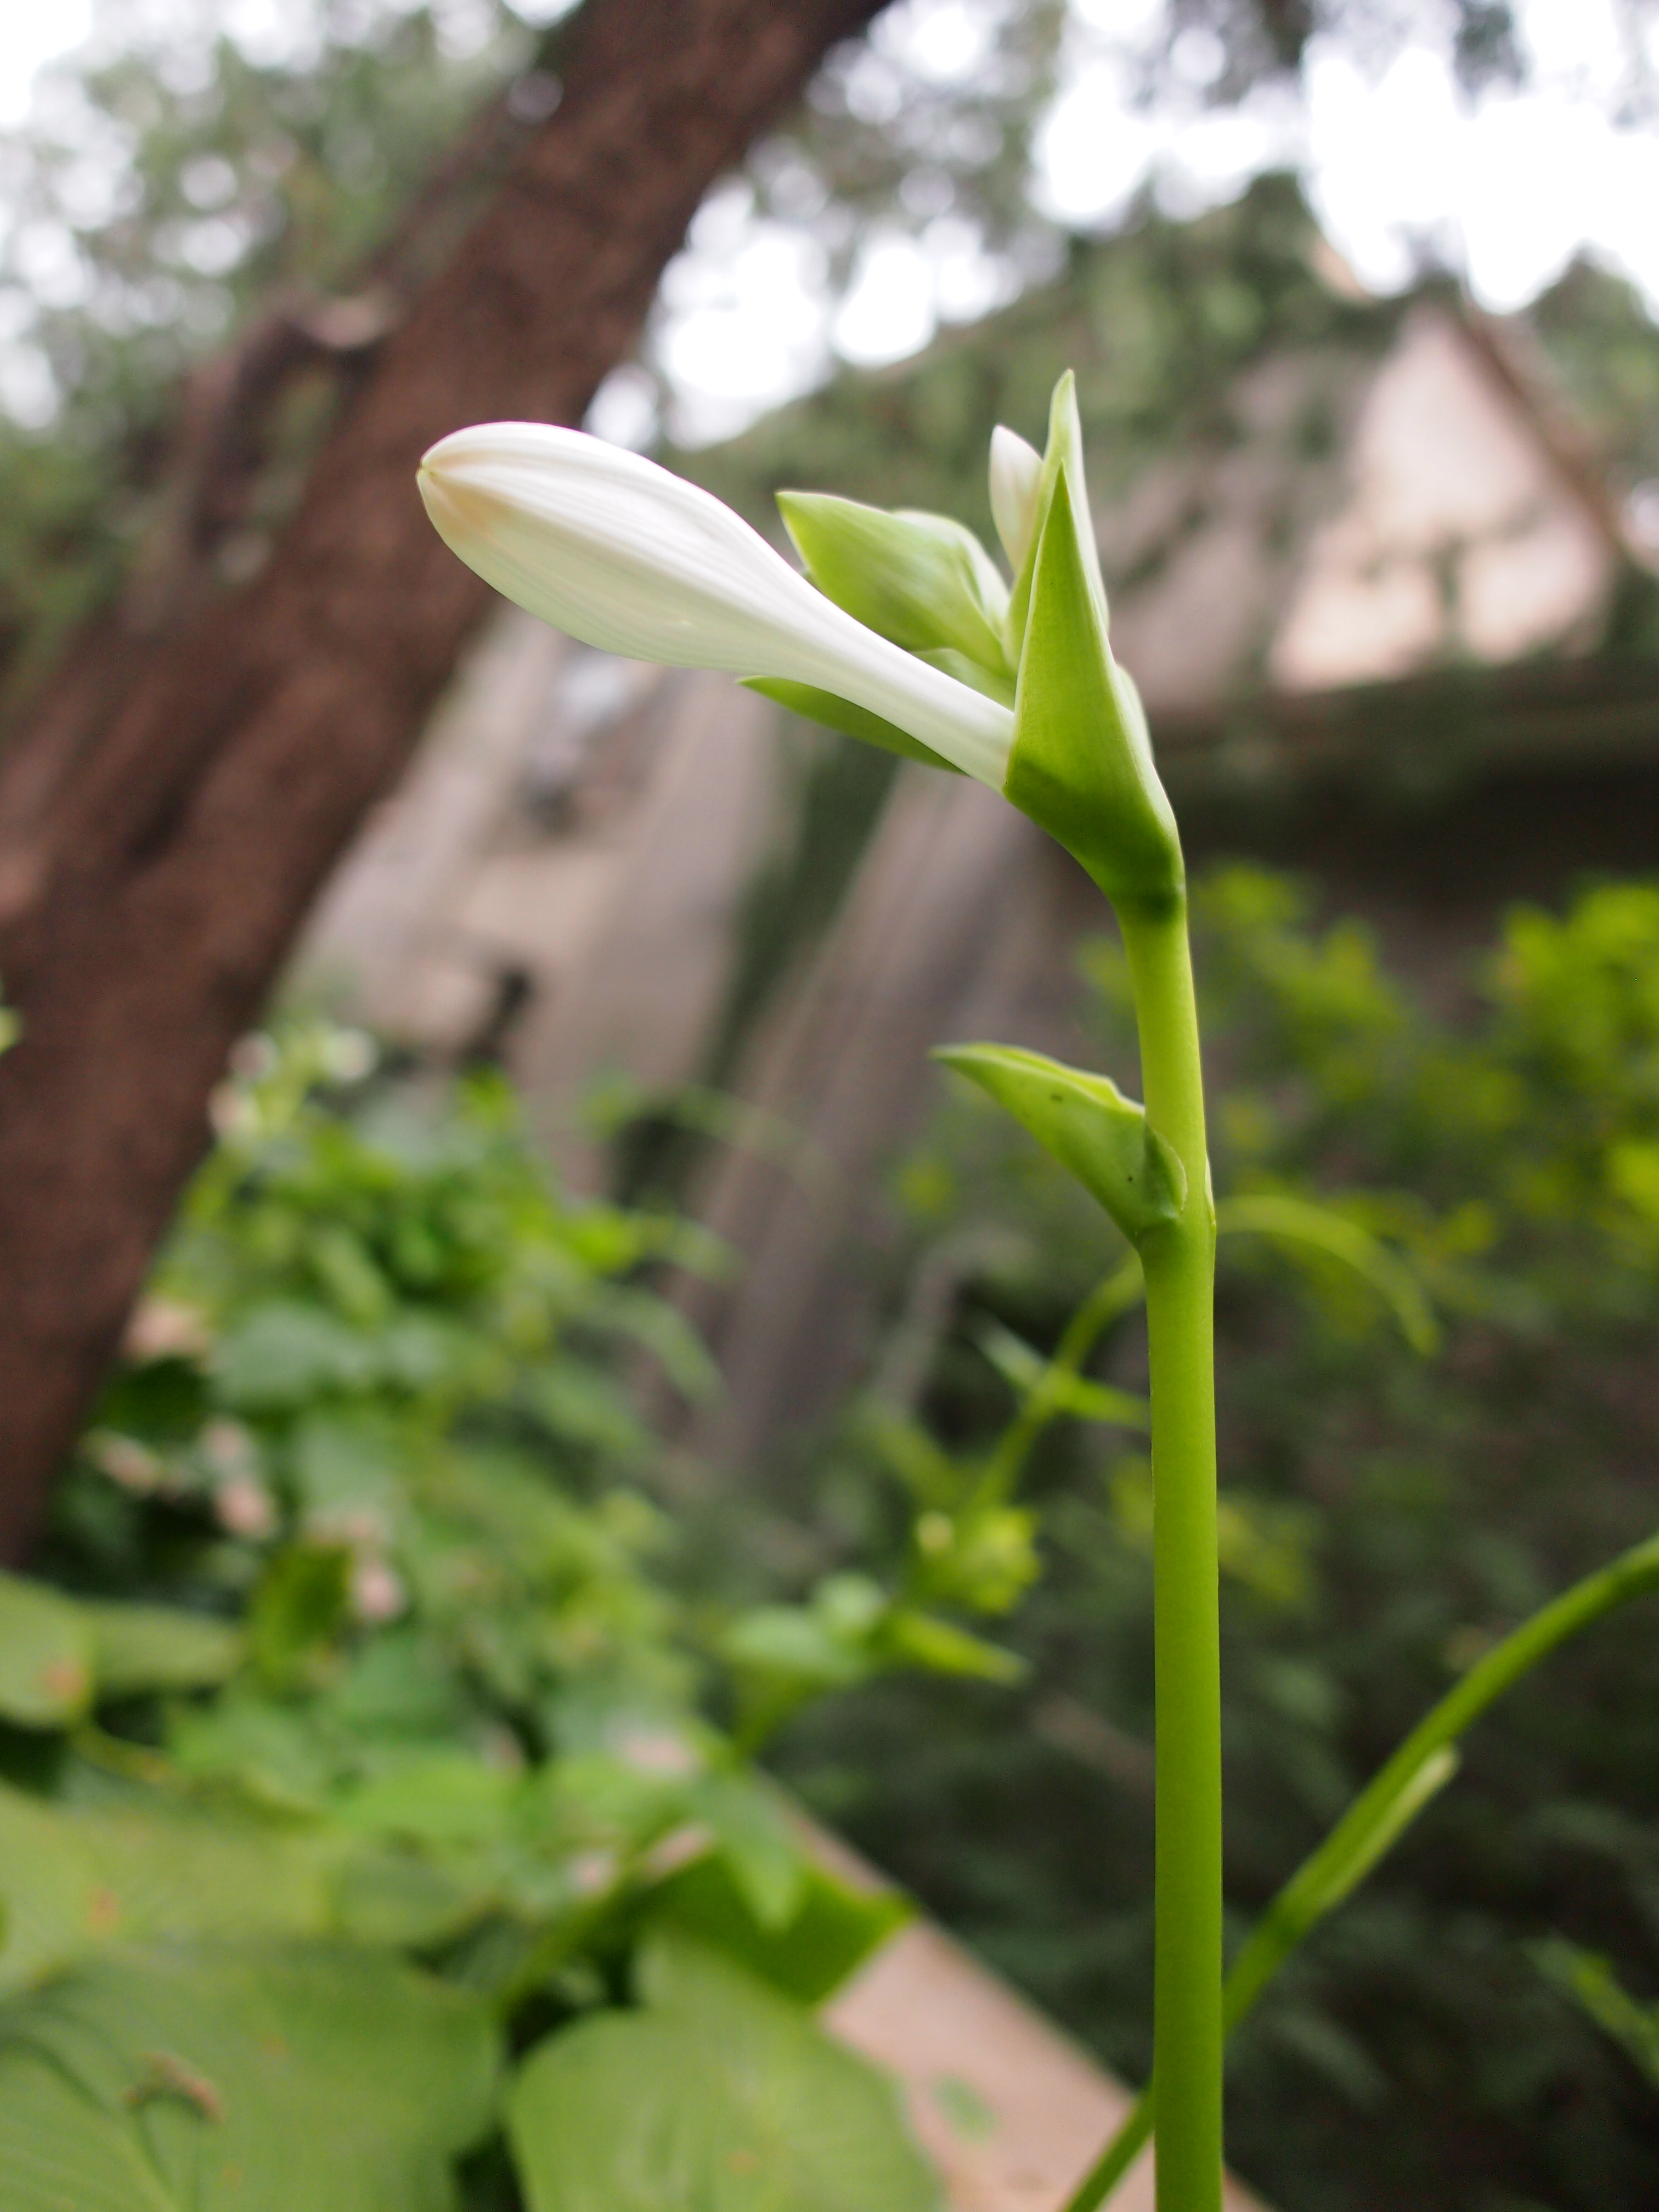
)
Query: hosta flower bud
[
  {"x": 1016, "y": 483},
  {"x": 612, "y": 549}
]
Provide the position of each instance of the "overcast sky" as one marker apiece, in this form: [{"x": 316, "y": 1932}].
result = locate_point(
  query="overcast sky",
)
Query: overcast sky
[{"x": 1507, "y": 189}]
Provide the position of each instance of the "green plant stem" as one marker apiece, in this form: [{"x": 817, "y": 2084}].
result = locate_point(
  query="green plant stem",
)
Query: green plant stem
[
  {"x": 1112, "y": 1296},
  {"x": 1179, "y": 1260},
  {"x": 1382, "y": 1813}
]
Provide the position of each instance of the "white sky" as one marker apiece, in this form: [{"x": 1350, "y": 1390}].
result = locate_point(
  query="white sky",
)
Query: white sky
[
  {"x": 30, "y": 35},
  {"x": 1508, "y": 190}
]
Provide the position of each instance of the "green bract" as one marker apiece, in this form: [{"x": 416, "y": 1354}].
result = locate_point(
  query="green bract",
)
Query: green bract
[
  {"x": 1088, "y": 1125},
  {"x": 921, "y": 579},
  {"x": 1029, "y": 506},
  {"x": 852, "y": 721},
  {"x": 1081, "y": 762}
]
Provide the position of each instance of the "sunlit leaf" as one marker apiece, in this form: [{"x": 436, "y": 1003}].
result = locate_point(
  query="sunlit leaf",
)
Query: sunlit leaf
[
  {"x": 48, "y": 1653},
  {"x": 139, "y": 1648},
  {"x": 835, "y": 1929},
  {"x": 261, "y": 2080},
  {"x": 765, "y": 1855},
  {"x": 720, "y": 2096},
  {"x": 74, "y": 1878}
]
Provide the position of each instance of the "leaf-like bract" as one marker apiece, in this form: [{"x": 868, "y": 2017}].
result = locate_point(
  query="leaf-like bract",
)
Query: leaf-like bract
[
  {"x": 1090, "y": 1127},
  {"x": 923, "y": 580},
  {"x": 1082, "y": 761},
  {"x": 843, "y": 715}
]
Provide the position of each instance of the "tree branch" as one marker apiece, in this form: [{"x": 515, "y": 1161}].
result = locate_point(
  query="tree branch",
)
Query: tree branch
[{"x": 159, "y": 846}]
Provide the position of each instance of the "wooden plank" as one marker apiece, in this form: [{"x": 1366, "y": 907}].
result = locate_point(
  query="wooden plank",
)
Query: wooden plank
[{"x": 1012, "y": 2110}]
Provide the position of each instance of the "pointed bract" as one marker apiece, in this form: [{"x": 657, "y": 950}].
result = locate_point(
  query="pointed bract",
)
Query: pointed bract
[
  {"x": 1088, "y": 1125},
  {"x": 605, "y": 546},
  {"x": 1062, "y": 458},
  {"x": 922, "y": 580},
  {"x": 1082, "y": 763}
]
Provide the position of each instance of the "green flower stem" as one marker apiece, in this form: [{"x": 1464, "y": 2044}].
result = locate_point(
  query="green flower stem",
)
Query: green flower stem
[
  {"x": 1382, "y": 1813},
  {"x": 1179, "y": 1260},
  {"x": 1111, "y": 1296}
]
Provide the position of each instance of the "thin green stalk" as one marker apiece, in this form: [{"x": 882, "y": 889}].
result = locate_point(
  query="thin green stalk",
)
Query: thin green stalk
[
  {"x": 1112, "y": 1296},
  {"x": 1179, "y": 1260},
  {"x": 1380, "y": 1813}
]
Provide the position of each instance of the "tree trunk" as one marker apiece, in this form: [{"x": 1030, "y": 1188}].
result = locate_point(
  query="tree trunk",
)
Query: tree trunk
[{"x": 149, "y": 893}]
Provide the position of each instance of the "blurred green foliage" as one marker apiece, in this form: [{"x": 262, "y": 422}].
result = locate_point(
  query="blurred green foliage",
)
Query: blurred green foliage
[
  {"x": 369, "y": 1701},
  {"x": 1387, "y": 1513}
]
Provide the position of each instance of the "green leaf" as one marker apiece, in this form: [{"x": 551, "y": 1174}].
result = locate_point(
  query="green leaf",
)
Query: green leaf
[
  {"x": 58, "y": 1653},
  {"x": 1589, "y": 1981},
  {"x": 267, "y": 1747},
  {"x": 581, "y": 1405},
  {"x": 298, "y": 1608},
  {"x": 795, "y": 1645},
  {"x": 833, "y": 1931},
  {"x": 751, "y": 1834},
  {"x": 851, "y": 721},
  {"x": 1098, "y": 1401},
  {"x": 261, "y": 2080},
  {"x": 138, "y": 1648},
  {"x": 74, "y": 1879},
  {"x": 922, "y": 580},
  {"x": 407, "y": 1899},
  {"x": 347, "y": 1465},
  {"x": 1088, "y": 1125},
  {"x": 1063, "y": 1390},
  {"x": 665, "y": 1333},
  {"x": 285, "y": 1355},
  {"x": 720, "y": 2096},
  {"x": 47, "y": 1655},
  {"x": 442, "y": 1796},
  {"x": 1082, "y": 764},
  {"x": 56, "y": 1903},
  {"x": 1321, "y": 1229},
  {"x": 923, "y": 1640},
  {"x": 349, "y": 1275}
]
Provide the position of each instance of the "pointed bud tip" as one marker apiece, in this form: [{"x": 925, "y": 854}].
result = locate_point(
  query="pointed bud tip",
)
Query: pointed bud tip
[{"x": 1016, "y": 484}]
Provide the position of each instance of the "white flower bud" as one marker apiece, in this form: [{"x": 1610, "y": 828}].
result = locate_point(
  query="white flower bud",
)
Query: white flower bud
[
  {"x": 607, "y": 546},
  {"x": 1016, "y": 483}
]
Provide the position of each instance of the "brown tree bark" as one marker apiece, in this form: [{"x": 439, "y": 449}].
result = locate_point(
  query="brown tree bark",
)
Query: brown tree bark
[{"x": 149, "y": 891}]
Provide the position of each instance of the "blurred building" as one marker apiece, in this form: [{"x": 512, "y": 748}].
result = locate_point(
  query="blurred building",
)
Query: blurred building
[{"x": 1380, "y": 570}]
